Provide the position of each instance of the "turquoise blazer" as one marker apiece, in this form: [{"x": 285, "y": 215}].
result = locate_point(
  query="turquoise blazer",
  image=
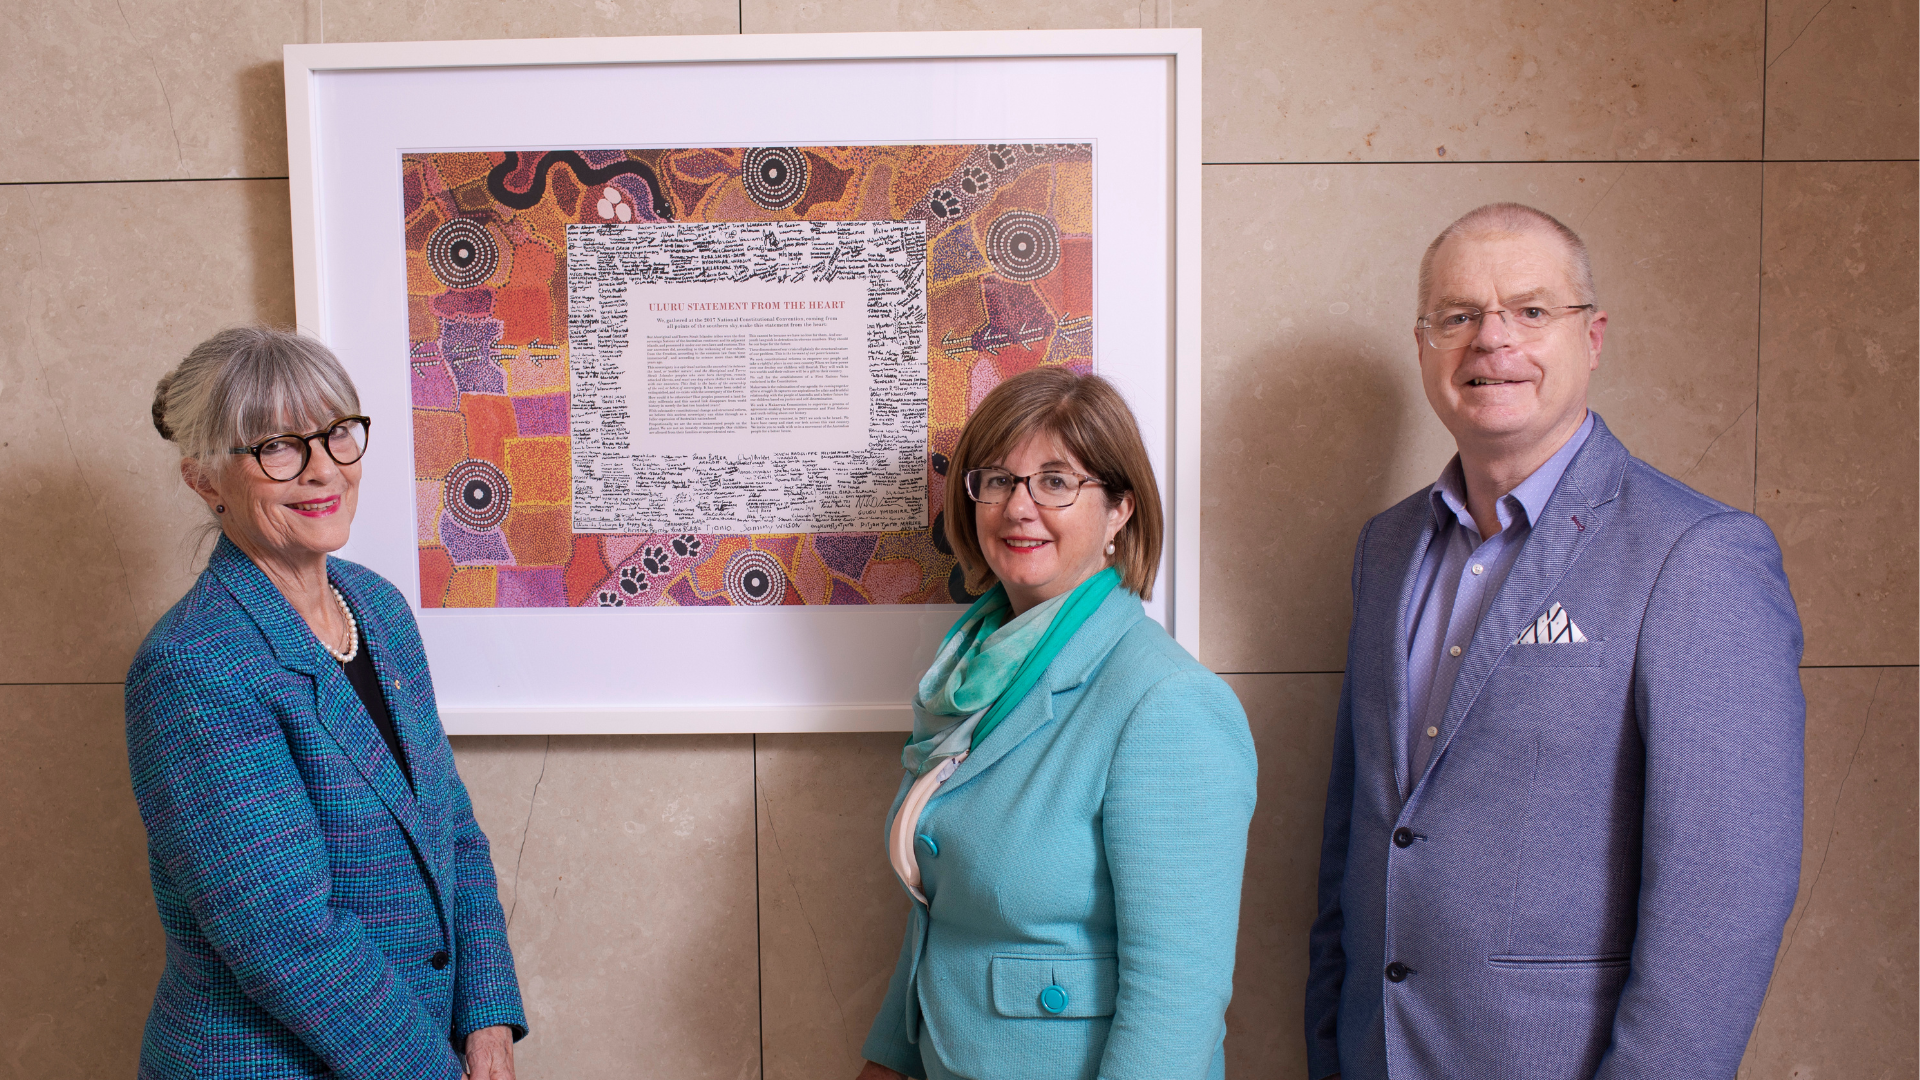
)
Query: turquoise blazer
[{"x": 1082, "y": 869}]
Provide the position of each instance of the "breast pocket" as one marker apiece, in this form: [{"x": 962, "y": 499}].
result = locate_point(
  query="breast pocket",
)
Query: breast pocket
[
  {"x": 1562, "y": 963},
  {"x": 1564, "y": 654},
  {"x": 1054, "y": 987}
]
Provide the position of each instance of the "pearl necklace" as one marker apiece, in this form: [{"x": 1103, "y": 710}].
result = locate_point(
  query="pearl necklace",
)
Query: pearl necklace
[{"x": 353, "y": 632}]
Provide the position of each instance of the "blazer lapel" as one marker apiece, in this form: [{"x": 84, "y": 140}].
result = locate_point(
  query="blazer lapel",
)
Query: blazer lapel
[
  {"x": 354, "y": 728},
  {"x": 1073, "y": 667},
  {"x": 1400, "y": 708},
  {"x": 342, "y": 714},
  {"x": 1577, "y": 511},
  {"x": 375, "y": 641},
  {"x": 335, "y": 703}
]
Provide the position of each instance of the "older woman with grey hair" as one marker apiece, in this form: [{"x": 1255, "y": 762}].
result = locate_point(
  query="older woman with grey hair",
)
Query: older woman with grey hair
[{"x": 328, "y": 899}]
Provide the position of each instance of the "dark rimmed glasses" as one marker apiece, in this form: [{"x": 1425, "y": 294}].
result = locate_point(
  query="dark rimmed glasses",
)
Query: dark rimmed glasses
[
  {"x": 1452, "y": 327},
  {"x": 285, "y": 456},
  {"x": 1051, "y": 489}
]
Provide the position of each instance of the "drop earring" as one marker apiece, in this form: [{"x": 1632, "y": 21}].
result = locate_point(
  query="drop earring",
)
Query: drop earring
[{"x": 1109, "y": 547}]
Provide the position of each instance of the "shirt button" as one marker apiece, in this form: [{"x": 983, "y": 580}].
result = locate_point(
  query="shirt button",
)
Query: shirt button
[
  {"x": 1455, "y": 651},
  {"x": 1477, "y": 568},
  {"x": 1433, "y": 732},
  {"x": 396, "y": 684}
]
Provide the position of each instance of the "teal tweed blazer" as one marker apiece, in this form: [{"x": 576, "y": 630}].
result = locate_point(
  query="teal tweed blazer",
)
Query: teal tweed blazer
[
  {"x": 1083, "y": 869},
  {"x": 322, "y": 920}
]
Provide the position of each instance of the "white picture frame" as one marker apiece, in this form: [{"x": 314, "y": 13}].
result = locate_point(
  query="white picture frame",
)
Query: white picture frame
[{"x": 352, "y": 109}]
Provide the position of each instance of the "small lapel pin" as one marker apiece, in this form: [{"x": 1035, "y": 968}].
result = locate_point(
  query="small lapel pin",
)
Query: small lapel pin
[{"x": 1576, "y": 522}]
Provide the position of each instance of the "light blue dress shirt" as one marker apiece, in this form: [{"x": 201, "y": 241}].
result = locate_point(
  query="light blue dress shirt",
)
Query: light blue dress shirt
[{"x": 1459, "y": 576}]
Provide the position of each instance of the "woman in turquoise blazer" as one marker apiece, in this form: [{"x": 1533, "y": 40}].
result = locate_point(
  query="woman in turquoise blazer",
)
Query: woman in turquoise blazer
[{"x": 1072, "y": 824}]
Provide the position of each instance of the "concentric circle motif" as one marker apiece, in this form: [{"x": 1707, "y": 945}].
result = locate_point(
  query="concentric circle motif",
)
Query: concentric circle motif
[
  {"x": 775, "y": 176},
  {"x": 1023, "y": 246},
  {"x": 478, "y": 495},
  {"x": 462, "y": 253},
  {"x": 755, "y": 579}
]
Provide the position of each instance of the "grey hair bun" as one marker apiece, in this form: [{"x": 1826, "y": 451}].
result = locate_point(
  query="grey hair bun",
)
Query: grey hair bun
[{"x": 160, "y": 407}]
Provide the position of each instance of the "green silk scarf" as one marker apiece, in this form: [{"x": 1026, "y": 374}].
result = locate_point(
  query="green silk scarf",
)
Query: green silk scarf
[{"x": 986, "y": 665}]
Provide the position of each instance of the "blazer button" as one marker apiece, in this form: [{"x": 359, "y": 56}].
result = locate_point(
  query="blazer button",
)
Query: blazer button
[
  {"x": 1403, "y": 837},
  {"x": 1397, "y": 971},
  {"x": 440, "y": 960},
  {"x": 1054, "y": 999},
  {"x": 932, "y": 848}
]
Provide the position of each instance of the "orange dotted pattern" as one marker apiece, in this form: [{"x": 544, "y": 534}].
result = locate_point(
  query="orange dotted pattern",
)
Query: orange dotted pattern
[{"x": 490, "y": 359}]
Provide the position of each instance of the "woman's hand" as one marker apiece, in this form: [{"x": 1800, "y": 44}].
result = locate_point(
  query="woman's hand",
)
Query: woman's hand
[
  {"x": 876, "y": 1071},
  {"x": 490, "y": 1053}
]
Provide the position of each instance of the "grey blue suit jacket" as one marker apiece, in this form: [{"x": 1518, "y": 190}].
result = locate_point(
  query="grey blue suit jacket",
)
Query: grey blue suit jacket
[
  {"x": 1591, "y": 876},
  {"x": 1093, "y": 842}
]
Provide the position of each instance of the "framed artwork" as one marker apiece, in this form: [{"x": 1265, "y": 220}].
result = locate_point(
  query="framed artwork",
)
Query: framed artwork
[{"x": 668, "y": 340}]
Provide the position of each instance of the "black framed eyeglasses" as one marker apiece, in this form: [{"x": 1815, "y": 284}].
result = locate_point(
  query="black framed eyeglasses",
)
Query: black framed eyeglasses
[
  {"x": 1452, "y": 327},
  {"x": 1051, "y": 489},
  {"x": 285, "y": 456}
]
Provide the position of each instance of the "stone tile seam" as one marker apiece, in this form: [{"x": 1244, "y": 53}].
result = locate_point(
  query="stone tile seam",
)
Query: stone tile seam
[
  {"x": 1766, "y": 42},
  {"x": 141, "y": 180},
  {"x": 526, "y": 828},
  {"x": 759, "y": 920}
]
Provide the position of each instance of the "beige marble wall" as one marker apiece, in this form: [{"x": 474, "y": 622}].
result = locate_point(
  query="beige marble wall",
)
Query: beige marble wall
[
  {"x": 626, "y": 868},
  {"x": 81, "y": 941},
  {"x": 1480, "y": 80},
  {"x": 1843, "y": 999},
  {"x": 719, "y": 907},
  {"x": 1836, "y": 474},
  {"x": 831, "y": 913}
]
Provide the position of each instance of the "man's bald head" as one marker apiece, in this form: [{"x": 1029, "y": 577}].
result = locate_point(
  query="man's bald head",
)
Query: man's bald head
[{"x": 1513, "y": 219}]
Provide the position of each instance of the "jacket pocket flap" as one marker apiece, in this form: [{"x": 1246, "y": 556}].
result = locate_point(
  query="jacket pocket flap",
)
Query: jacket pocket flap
[{"x": 1054, "y": 987}]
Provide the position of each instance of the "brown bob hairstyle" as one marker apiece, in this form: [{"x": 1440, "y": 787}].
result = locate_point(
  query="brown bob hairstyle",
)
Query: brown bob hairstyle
[{"x": 1091, "y": 420}]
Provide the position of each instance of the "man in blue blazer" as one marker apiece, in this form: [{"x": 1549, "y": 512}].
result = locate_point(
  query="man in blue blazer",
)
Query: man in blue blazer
[{"x": 1563, "y": 825}]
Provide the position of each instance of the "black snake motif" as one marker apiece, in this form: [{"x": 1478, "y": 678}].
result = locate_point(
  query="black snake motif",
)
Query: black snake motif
[{"x": 587, "y": 174}]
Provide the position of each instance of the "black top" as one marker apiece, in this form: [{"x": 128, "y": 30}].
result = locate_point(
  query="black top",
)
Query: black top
[{"x": 366, "y": 683}]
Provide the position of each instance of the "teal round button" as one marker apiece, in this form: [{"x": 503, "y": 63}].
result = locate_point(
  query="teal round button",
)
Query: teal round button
[
  {"x": 932, "y": 848},
  {"x": 1054, "y": 1000}
]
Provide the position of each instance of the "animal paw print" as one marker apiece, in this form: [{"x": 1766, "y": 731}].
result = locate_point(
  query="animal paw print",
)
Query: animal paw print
[
  {"x": 686, "y": 545},
  {"x": 632, "y": 581},
  {"x": 609, "y": 598},
  {"x": 943, "y": 203},
  {"x": 975, "y": 180},
  {"x": 614, "y": 204},
  {"x": 654, "y": 559},
  {"x": 1001, "y": 156}
]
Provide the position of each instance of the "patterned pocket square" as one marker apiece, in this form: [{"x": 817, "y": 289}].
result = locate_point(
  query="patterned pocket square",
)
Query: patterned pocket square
[{"x": 1553, "y": 628}]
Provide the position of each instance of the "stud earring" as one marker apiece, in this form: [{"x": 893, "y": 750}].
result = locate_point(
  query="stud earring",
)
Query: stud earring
[{"x": 221, "y": 508}]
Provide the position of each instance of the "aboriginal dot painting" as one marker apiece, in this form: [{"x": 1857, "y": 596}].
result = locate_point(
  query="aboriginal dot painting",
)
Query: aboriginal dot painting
[{"x": 1008, "y": 286}]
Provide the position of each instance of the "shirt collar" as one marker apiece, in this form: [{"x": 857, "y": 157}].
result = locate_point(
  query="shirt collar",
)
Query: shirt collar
[{"x": 1527, "y": 501}]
